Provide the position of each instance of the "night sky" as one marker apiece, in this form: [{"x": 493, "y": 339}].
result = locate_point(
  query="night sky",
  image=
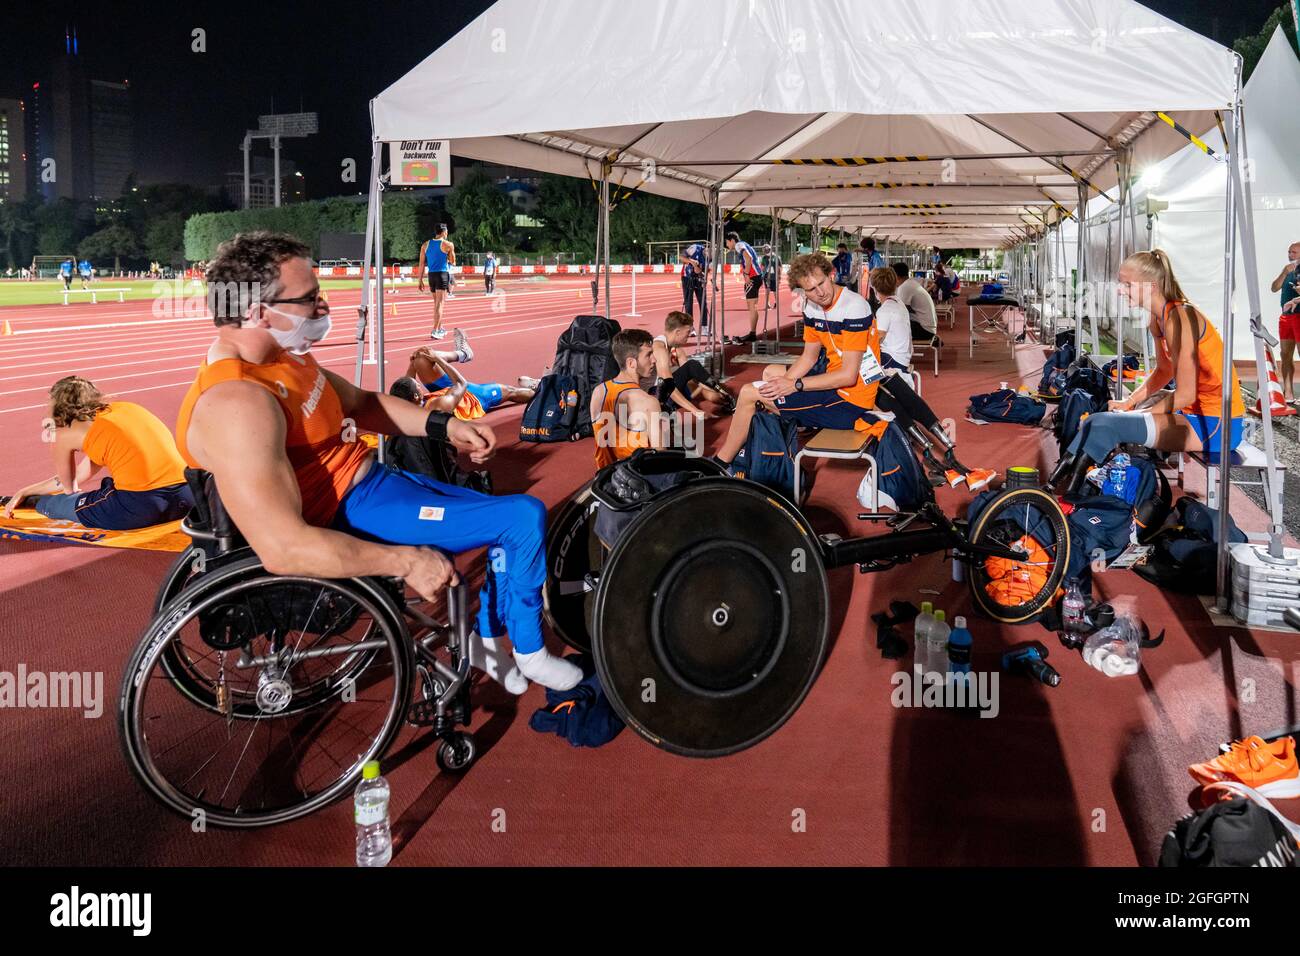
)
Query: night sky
[{"x": 192, "y": 108}]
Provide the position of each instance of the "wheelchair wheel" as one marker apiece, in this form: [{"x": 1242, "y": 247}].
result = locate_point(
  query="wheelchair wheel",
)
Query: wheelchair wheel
[
  {"x": 315, "y": 678},
  {"x": 192, "y": 665},
  {"x": 1030, "y": 521}
]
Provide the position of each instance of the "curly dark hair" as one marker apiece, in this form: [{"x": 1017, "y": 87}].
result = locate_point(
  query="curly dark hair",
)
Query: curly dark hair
[{"x": 246, "y": 269}]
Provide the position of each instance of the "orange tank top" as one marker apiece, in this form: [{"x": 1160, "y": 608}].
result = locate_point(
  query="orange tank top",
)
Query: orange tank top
[
  {"x": 1209, "y": 369},
  {"x": 467, "y": 409},
  {"x": 613, "y": 441},
  {"x": 135, "y": 446},
  {"x": 324, "y": 454}
]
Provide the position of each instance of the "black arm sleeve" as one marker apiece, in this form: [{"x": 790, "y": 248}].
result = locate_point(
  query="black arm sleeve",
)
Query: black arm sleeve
[{"x": 435, "y": 426}]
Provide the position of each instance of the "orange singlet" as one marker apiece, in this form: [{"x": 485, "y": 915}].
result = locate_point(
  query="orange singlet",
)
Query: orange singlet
[
  {"x": 323, "y": 461},
  {"x": 623, "y": 441},
  {"x": 1209, "y": 368},
  {"x": 135, "y": 447}
]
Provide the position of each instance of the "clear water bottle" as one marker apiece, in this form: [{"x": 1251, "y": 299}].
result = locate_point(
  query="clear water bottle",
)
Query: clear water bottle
[
  {"x": 1118, "y": 473},
  {"x": 959, "y": 647},
  {"x": 937, "y": 650},
  {"x": 921, "y": 635},
  {"x": 370, "y": 810},
  {"x": 1073, "y": 606}
]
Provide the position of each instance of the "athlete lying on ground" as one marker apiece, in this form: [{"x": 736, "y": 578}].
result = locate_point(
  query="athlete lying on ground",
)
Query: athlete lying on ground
[{"x": 278, "y": 432}]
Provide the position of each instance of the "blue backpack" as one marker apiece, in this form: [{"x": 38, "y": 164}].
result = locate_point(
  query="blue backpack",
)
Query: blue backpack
[
  {"x": 898, "y": 473},
  {"x": 552, "y": 415},
  {"x": 1131, "y": 364},
  {"x": 768, "y": 454},
  {"x": 1007, "y": 406},
  {"x": 1069, "y": 414},
  {"x": 1054, "y": 369}
]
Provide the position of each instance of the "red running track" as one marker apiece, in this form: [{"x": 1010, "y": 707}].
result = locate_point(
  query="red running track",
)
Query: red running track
[{"x": 1091, "y": 772}]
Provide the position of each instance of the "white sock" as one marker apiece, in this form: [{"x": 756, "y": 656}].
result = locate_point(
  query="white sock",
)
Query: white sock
[
  {"x": 486, "y": 654},
  {"x": 1150, "y": 421},
  {"x": 549, "y": 670}
]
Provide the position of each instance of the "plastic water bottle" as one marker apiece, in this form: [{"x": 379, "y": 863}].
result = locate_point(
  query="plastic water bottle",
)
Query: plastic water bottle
[
  {"x": 1073, "y": 606},
  {"x": 1118, "y": 473},
  {"x": 921, "y": 635},
  {"x": 938, "y": 643},
  {"x": 959, "y": 647},
  {"x": 370, "y": 810}
]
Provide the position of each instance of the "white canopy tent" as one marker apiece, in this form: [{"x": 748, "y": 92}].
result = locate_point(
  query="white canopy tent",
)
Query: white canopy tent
[{"x": 1003, "y": 115}]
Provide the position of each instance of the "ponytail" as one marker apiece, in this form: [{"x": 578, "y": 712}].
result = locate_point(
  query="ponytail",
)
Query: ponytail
[{"x": 1155, "y": 267}]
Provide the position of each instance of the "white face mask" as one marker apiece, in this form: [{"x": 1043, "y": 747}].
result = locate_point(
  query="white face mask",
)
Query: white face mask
[{"x": 305, "y": 333}]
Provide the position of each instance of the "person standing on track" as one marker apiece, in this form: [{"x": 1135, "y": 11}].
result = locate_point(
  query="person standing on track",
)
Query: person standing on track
[
  {"x": 694, "y": 260},
  {"x": 1288, "y": 324},
  {"x": 490, "y": 274},
  {"x": 753, "y": 273},
  {"x": 65, "y": 273},
  {"x": 437, "y": 256}
]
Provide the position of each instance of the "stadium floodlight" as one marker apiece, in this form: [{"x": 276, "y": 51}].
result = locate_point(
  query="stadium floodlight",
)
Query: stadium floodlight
[{"x": 275, "y": 126}]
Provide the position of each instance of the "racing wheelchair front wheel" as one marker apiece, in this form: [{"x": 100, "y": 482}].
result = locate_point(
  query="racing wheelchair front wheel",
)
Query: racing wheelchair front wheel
[
  {"x": 303, "y": 680},
  {"x": 1030, "y": 522}
]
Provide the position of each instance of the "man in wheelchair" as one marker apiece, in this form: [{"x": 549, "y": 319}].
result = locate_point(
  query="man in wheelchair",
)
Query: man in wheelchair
[{"x": 279, "y": 435}]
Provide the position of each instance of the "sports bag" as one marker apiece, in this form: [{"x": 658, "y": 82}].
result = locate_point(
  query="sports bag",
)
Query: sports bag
[{"x": 553, "y": 413}]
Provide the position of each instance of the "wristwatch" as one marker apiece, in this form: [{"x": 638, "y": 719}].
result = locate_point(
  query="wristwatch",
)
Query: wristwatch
[{"x": 798, "y": 385}]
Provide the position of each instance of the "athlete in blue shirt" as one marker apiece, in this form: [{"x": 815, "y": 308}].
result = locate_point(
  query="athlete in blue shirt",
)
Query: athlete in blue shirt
[
  {"x": 753, "y": 273},
  {"x": 490, "y": 274},
  {"x": 65, "y": 273},
  {"x": 871, "y": 259},
  {"x": 85, "y": 271},
  {"x": 694, "y": 260},
  {"x": 437, "y": 256}
]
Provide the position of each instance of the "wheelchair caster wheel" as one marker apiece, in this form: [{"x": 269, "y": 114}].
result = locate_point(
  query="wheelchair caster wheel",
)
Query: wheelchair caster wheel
[{"x": 456, "y": 752}]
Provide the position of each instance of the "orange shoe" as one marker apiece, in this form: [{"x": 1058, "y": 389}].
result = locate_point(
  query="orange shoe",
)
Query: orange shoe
[
  {"x": 978, "y": 478},
  {"x": 1269, "y": 768},
  {"x": 954, "y": 477}
]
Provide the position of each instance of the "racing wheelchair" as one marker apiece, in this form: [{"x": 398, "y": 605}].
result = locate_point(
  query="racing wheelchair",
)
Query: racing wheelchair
[
  {"x": 704, "y": 601},
  {"x": 256, "y": 698}
]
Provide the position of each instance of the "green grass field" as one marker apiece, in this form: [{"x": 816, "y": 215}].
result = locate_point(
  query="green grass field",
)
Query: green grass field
[{"x": 50, "y": 291}]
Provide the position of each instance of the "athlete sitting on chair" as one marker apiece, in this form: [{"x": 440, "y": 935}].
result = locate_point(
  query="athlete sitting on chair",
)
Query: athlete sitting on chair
[
  {"x": 624, "y": 415},
  {"x": 278, "y": 432},
  {"x": 689, "y": 380},
  {"x": 839, "y": 320}
]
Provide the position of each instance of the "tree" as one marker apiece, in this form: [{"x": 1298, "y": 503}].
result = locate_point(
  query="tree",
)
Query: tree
[
  {"x": 642, "y": 219},
  {"x": 18, "y": 232},
  {"x": 164, "y": 238},
  {"x": 112, "y": 242},
  {"x": 60, "y": 224},
  {"x": 484, "y": 214},
  {"x": 1252, "y": 47},
  {"x": 567, "y": 206}
]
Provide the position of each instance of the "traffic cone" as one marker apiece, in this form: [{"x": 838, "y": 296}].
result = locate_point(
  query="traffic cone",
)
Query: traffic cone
[
  {"x": 8, "y": 329},
  {"x": 1276, "y": 401}
]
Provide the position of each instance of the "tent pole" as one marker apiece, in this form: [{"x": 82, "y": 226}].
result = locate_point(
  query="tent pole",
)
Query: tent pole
[
  {"x": 1112, "y": 297},
  {"x": 382, "y": 451},
  {"x": 364, "y": 316},
  {"x": 604, "y": 201},
  {"x": 718, "y": 358},
  {"x": 1223, "y": 586},
  {"x": 1274, "y": 476},
  {"x": 1078, "y": 276}
]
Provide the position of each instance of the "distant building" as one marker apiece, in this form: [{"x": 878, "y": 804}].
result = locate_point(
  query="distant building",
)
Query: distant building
[
  {"x": 85, "y": 126},
  {"x": 261, "y": 184},
  {"x": 13, "y": 151}
]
